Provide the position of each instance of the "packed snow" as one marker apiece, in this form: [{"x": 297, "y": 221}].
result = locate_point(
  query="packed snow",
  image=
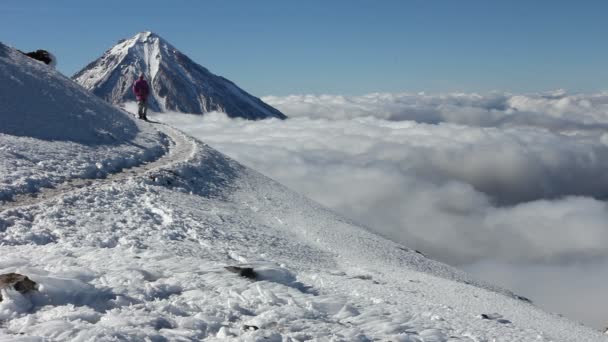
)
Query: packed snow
[
  {"x": 145, "y": 257},
  {"x": 69, "y": 133}
]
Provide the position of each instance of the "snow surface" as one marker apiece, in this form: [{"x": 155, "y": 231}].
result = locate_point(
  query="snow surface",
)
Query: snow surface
[
  {"x": 69, "y": 133},
  {"x": 143, "y": 258}
]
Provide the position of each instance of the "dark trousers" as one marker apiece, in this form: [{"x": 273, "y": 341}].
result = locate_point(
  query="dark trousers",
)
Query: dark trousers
[{"x": 142, "y": 109}]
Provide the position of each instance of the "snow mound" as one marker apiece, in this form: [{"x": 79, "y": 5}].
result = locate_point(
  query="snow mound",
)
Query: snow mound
[
  {"x": 39, "y": 102},
  {"x": 53, "y": 130},
  {"x": 178, "y": 83}
]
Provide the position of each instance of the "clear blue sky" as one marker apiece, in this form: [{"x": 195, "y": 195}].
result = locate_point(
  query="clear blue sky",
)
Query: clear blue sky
[{"x": 279, "y": 47}]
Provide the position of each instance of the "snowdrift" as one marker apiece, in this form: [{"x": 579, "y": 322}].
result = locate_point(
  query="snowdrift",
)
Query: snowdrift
[
  {"x": 54, "y": 107},
  {"x": 52, "y": 129}
]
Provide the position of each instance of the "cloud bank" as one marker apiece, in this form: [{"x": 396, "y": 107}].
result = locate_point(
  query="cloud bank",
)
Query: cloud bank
[
  {"x": 498, "y": 185},
  {"x": 555, "y": 110}
]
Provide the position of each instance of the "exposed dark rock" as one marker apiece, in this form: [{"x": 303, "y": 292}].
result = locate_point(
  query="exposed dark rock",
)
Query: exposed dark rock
[
  {"x": 246, "y": 272},
  {"x": 40, "y": 55},
  {"x": 495, "y": 317},
  {"x": 363, "y": 277},
  {"x": 523, "y": 299},
  {"x": 250, "y": 327},
  {"x": 18, "y": 282}
]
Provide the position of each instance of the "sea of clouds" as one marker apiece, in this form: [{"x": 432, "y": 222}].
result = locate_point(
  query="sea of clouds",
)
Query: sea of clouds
[{"x": 511, "y": 188}]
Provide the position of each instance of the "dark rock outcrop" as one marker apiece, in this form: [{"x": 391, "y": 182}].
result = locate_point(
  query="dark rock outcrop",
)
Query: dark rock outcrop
[
  {"x": 18, "y": 282},
  {"x": 40, "y": 55},
  {"x": 245, "y": 272}
]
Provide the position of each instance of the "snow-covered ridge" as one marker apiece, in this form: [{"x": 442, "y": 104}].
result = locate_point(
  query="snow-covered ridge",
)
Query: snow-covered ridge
[
  {"x": 52, "y": 130},
  {"x": 178, "y": 84}
]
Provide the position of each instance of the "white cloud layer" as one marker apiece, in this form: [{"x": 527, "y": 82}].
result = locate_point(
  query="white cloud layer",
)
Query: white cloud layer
[
  {"x": 497, "y": 184},
  {"x": 556, "y": 110}
]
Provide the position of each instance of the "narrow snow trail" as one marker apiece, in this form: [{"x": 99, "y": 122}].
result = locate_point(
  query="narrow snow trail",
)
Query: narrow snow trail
[{"x": 181, "y": 149}]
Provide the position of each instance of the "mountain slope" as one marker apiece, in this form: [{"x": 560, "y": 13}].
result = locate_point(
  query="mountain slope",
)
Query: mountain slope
[
  {"x": 178, "y": 84},
  {"x": 52, "y": 130},
  {"x": 144, "y": 257}
]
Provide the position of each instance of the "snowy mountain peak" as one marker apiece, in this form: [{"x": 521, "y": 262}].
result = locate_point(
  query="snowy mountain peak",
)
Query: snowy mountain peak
[
  {"x": 178, "y": 83},
  {"x": 145, "y": 35}
]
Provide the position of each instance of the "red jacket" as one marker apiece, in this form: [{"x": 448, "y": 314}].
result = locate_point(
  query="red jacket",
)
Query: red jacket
[{"x": 141, "y": 89}]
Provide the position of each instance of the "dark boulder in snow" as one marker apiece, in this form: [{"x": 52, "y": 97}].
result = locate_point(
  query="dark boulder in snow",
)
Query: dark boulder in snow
[
  {"x": 42, "y": 56},
  {"x": 495, "y": 317},
  {"x": 245, "y": 272},
  {"x": 18, "y": 282},
  {"x": 177, "y": 83},
  {"x": 523, "y": 299}
]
